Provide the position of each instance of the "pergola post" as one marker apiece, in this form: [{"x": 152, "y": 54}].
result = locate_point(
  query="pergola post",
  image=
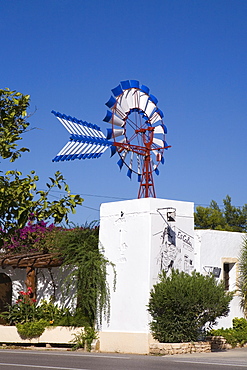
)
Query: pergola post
[{"x": 31, "y": 281}]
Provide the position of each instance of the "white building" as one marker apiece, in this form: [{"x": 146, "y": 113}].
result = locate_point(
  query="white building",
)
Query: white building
[{"x": 142, "y": 237}]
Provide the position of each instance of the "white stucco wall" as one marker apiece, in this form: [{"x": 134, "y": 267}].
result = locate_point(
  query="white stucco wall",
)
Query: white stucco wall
[
  {"x": 212, "y": 249},
  {"x": 140, "y": 241},
  {"x": 45, "y": 287}
]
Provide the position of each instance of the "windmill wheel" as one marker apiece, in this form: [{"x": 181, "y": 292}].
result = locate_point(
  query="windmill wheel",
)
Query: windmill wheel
[{"x": 137, "y": 129}]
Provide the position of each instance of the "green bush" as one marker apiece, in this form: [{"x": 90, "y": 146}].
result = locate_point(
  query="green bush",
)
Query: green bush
[
  {"x": 52, "y": 312},
  {"x": 228, "y": 334},
  {"x": 184, "y": 306},
  {"x": 84, "y": 339},
  {"x": 26, "y": 310},
  {"x": 237, "y": 335},
  {"x": 32, "y": 329}
]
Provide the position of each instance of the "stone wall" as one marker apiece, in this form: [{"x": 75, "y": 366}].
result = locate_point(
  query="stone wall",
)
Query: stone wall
[
  {"x": 179, "y": 348},
  {"x": 218, "y": 343}
]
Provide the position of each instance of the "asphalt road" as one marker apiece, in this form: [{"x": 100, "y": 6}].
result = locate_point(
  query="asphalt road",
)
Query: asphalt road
[{"x": 64, "y": 360}]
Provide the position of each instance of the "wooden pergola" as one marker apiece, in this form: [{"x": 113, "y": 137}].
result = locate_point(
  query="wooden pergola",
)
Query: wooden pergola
[{"x": 31, "y": 261}]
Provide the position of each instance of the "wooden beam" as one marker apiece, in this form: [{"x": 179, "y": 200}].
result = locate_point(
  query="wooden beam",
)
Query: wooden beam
[
  {"x": 31, "y": 282},
  {"x": 40, "y": 260}
]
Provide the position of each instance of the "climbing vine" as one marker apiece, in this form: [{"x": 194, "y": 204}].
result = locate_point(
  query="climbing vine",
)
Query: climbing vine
[{"x": 80, "y": 250}]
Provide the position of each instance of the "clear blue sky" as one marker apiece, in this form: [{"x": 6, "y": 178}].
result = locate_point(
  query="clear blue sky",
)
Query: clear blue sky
[{"x": 192, "y": 54}]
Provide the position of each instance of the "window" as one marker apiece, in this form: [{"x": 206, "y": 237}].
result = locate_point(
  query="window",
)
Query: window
[
  {"x": 229, "y": 273},
  {"x": 226, "y": 269}
]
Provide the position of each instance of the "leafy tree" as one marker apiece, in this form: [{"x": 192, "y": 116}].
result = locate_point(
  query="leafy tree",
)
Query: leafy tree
[
  {"x": 242, "y": 278},
  {"x": 19, "y": 197},
  {"x": 230, "y": 218},
  {"x": 13, "y": 112},
  {"x": 182, "y": 306}
]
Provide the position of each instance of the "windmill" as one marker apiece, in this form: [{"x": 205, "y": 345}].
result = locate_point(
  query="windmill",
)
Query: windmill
[{"x": 137, "y": 134}]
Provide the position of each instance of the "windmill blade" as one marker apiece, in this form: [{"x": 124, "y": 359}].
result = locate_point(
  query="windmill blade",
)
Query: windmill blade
[
  {"x": 123, "y": 101},
  {"x": 156, "y": 170},
  {"x": 150, "y": 108},
  {"x": 154, "y": 167},
  {"x": 155, "y": 118},
  {"x": 119, "y": 92},
  {"x": 159, "y": 130},
  {"x": 111, "y": 133},
  {"x": 158, "y": 142},
  {"x": 113, "y": 103},
  {"x": 122, "y": 159},
  {"x": 138, "y": 159},
  {"x": 113, "y": 119},
  {"x": 143, "y": 99},
  {"x": 138, "y": 167},
  {"x": 130, "y": 99},
  {"x": 113, "y": 150},
  {"x": 129, "y": 172}
]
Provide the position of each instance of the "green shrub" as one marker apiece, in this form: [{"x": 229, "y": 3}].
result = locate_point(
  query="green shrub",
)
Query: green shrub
[
  {"x": 228, "y": 334},
  {"x": 84, "y": 339},
  {"x": 237, "y": 335},
  {"x": 239, "y": 324},
  {"x": 75, "y": 319},
  {"x": 27, "y": 310},
  {"x": 32, "y": 329},
  {"x": 183, "y": 306}
]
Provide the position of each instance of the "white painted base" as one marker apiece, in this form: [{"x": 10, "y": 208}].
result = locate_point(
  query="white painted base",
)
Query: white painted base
[
  {"x": 52, "y": 335},
  {"x": 119, "y": 342}
]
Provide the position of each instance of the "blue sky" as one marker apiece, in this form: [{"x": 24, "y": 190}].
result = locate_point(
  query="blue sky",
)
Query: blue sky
[{"x": 192, "y": 54}]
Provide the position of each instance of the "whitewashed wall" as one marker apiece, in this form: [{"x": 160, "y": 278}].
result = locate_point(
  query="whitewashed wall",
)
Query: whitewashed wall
[
  {"x": 212, "y": 249},
  {"x": 46, "y": 281},
  {"x": 140, "y": 241}
]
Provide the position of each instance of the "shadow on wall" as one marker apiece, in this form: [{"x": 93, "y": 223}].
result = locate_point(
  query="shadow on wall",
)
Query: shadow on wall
[{"x": 52, "y": 283}]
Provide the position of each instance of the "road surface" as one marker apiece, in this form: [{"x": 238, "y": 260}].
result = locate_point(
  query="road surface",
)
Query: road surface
[{"x": 66, "y": 360}]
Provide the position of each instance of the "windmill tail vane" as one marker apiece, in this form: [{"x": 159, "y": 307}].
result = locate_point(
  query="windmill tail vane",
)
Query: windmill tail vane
[
  {"x": 137, "y": 134},
  {"x": 86, "y": 140}
]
